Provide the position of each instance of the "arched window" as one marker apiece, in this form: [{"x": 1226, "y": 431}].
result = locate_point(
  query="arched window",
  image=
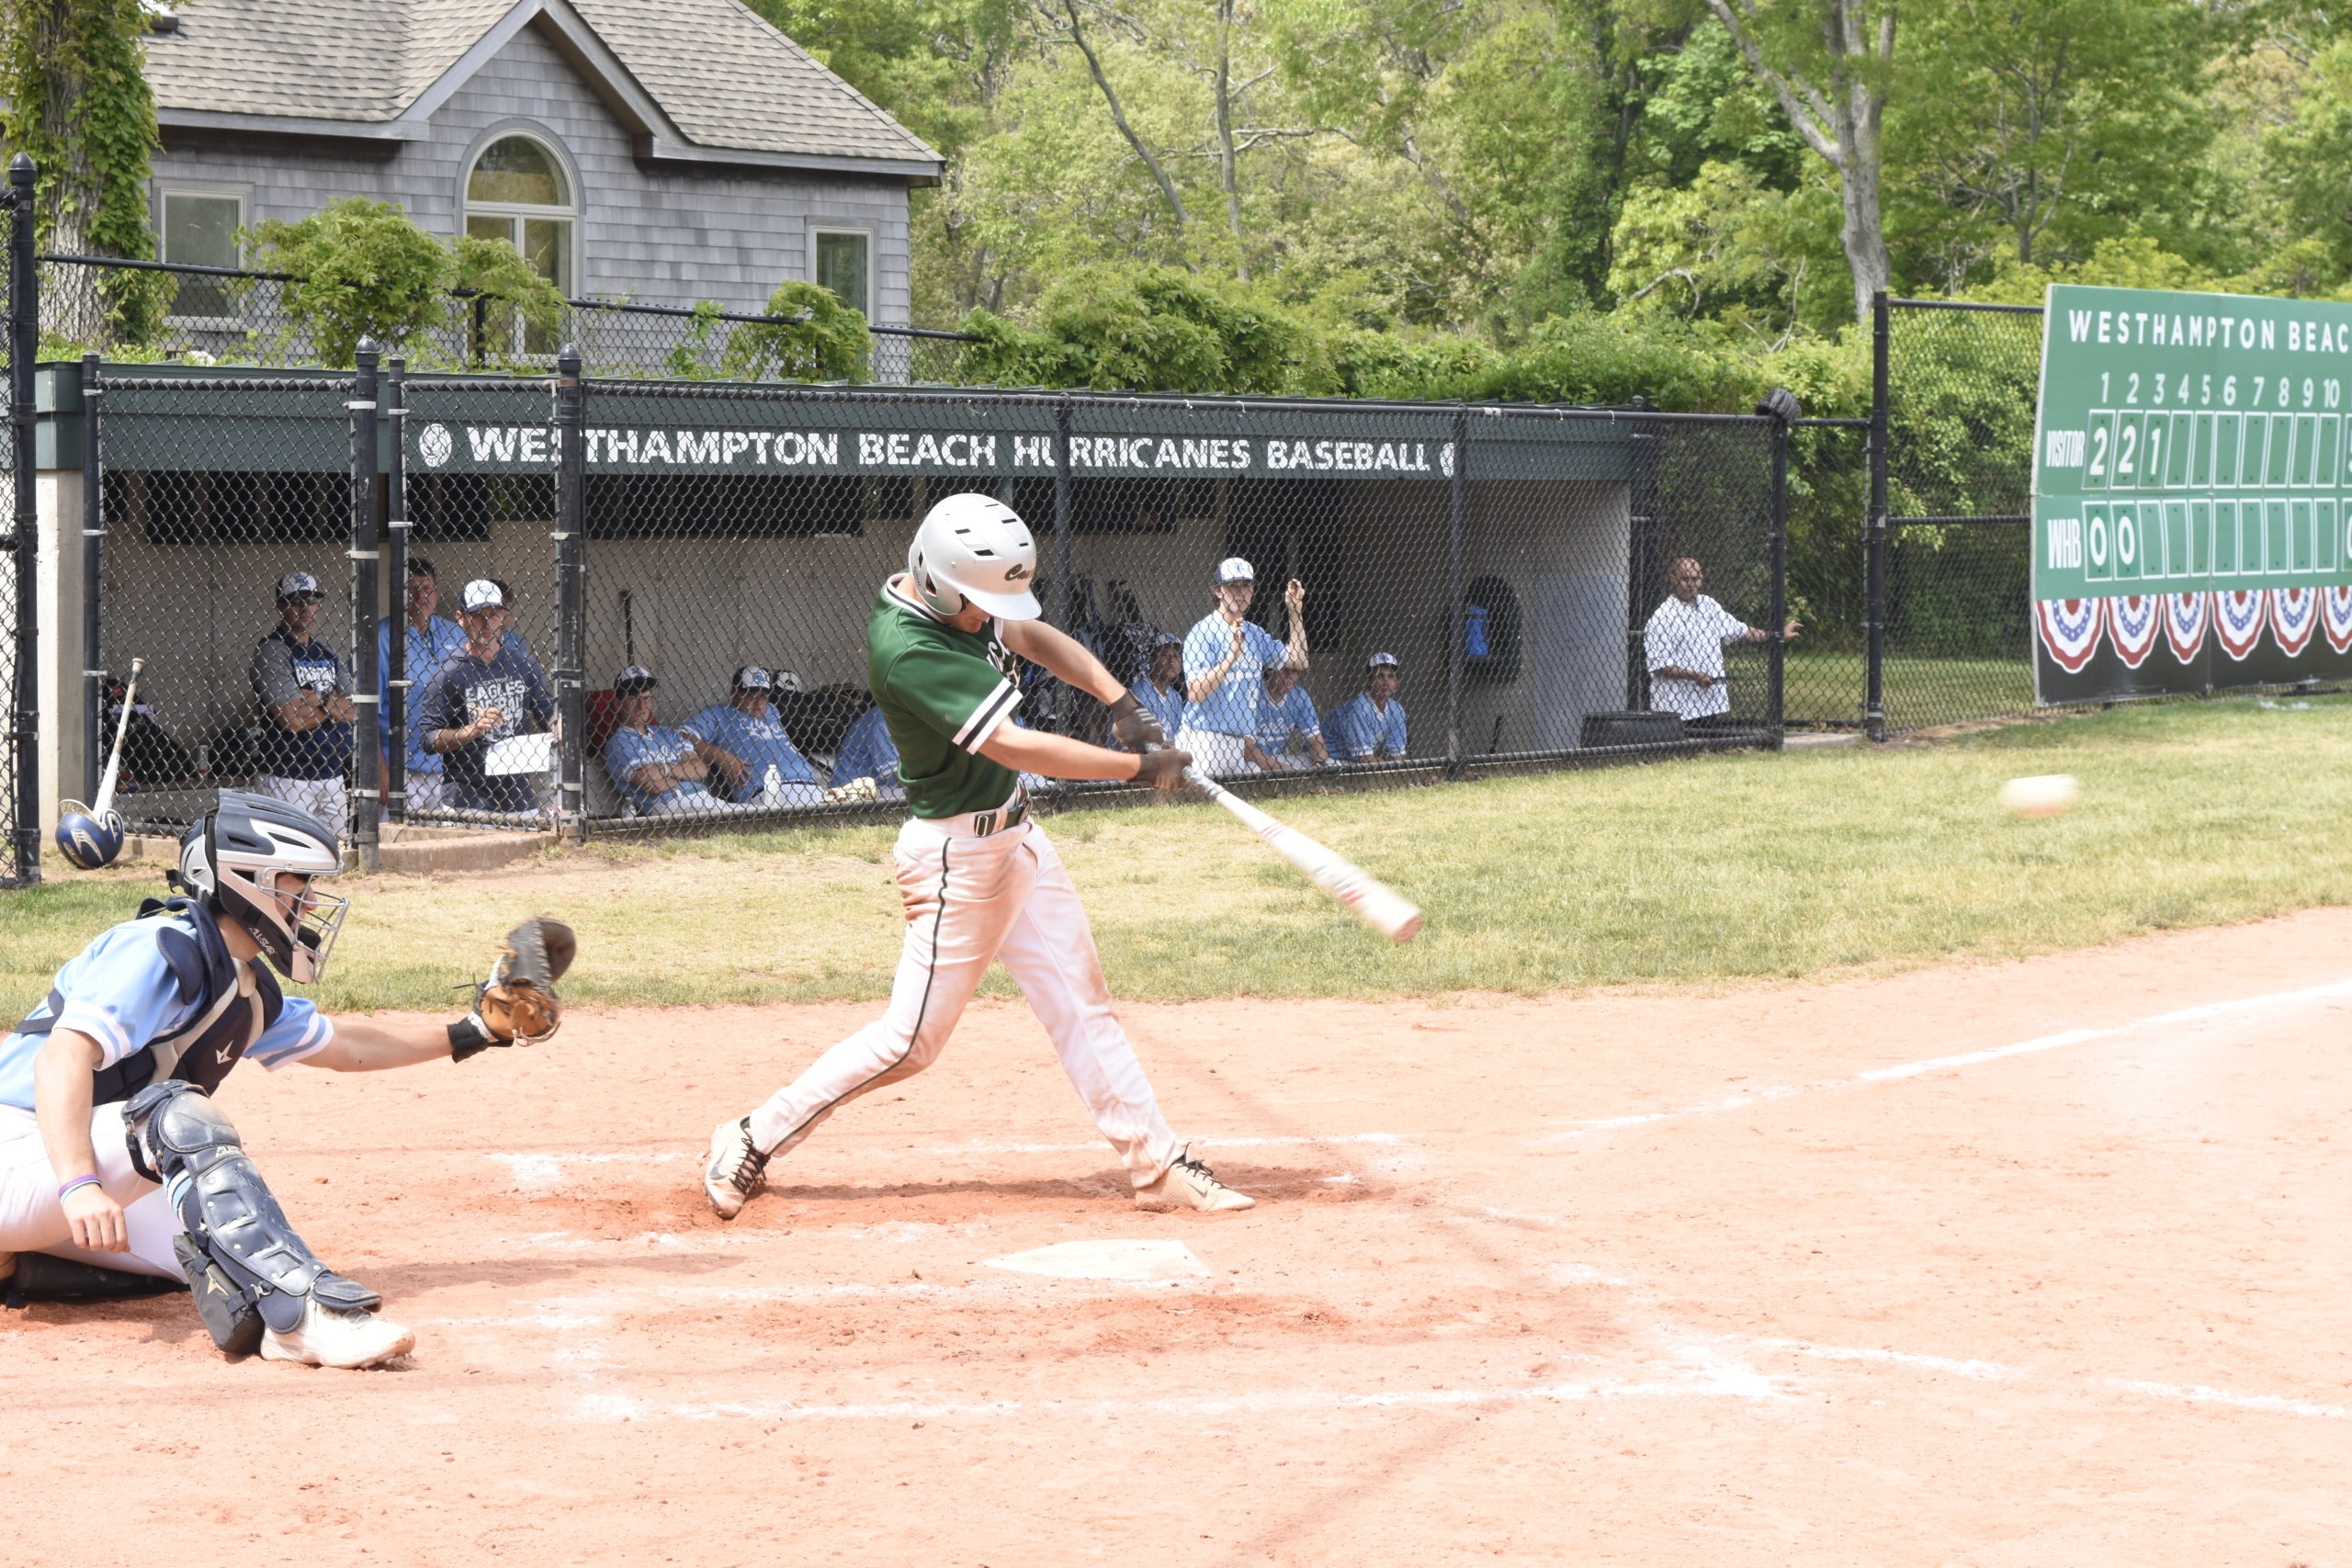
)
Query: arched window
[{"x": 517, "y": 192}]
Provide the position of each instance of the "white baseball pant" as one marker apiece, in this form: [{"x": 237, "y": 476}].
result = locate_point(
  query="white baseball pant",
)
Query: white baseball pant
[
  {"x": 32, "y": 1220},
  {"x": 970, "y": 901},
  {"x": 1215, "y": 753}
]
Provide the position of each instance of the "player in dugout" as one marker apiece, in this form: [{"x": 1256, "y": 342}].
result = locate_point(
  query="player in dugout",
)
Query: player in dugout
[
  {"x": 119, "y": 1173},
  {"x": 977, "y": 877},
  {"x": 745, "y": 729}
]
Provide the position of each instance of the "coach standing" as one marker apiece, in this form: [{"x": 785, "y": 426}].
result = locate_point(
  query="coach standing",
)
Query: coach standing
[
  {"x": 1683, "y": 644},
  {"x": 487, "y": 692},
  {"x": 1225, "y": 656},
  {"x": 305, "y": 694}
]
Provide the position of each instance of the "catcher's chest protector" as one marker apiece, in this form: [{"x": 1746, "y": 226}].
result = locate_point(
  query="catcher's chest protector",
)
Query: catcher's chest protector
[{"x": 233, "y": 1004}]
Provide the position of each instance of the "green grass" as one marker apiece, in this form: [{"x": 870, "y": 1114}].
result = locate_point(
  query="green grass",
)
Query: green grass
[
  {"x": 1692, "y": 871},
  {"x": 1822, "y": 685}
]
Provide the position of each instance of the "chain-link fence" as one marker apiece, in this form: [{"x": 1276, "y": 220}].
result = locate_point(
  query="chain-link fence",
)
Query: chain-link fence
[
  {"x": 221, "y": 316},
  {"x": 642, "y": 605},
  {"x": 1956, "y": 390}
]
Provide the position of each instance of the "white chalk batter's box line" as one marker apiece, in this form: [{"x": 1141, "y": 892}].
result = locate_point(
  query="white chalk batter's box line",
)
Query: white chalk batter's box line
[
  {"x": 2210, "y": 1012},
  {"x": 552, "y": 1169}
]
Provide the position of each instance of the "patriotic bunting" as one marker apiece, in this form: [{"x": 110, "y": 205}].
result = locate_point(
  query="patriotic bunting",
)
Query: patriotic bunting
[
  {"x": 2069, "y": 629},
  {"x": 2335, "y": 616},
  {"x": 2133, "y": 622},
  {"x": 2237, "y": 619},
  {"x": 2186, "y": 617},
  {"x": 2294, "y": 616}
]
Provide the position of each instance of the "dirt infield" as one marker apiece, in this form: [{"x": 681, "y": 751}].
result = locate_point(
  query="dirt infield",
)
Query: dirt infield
[{"x": 2037, "y": 1263}]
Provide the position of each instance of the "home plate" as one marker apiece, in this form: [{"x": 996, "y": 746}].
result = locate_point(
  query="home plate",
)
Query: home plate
[{"x": 1107, "y": 1260}]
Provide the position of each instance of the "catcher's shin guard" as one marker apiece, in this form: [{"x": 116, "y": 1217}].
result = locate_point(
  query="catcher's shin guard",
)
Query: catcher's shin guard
[{"x": 244, "y": 1263}]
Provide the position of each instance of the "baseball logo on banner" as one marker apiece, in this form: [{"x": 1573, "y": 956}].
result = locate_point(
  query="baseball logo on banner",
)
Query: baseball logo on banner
[
  {"x": 2335, "y": 617},
  {"x": 2133, "y": 622},
  {"x": 2237, "y": 619},
  {"x": 434, "y": 446},
  {"x": 2186, "y": 617},
  {"x": 2069, "y": 630},
  {"x": 2294, "y": 616}
]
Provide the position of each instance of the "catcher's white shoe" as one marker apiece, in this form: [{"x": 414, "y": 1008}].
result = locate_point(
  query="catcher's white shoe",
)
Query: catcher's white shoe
[
  {"x": 327, "y": 1338},
  {"x": 1189, "y": 1184},
  {"x": 736, "y": 1168}
]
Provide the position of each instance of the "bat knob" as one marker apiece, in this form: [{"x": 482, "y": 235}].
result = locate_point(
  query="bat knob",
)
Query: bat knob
[{"x": 88, "y": 842}]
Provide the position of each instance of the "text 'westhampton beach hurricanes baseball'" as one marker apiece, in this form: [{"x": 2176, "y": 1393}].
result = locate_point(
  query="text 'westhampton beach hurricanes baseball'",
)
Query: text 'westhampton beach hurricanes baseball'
[{"x": 2192, "y": 496}]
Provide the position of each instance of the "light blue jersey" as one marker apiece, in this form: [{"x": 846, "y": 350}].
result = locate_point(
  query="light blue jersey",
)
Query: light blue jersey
[
  {"x": 427, "y": 651},
  {"x": 121, "y": 992},
  {"x": 630, "y": 749},
  {"x": 1357, "y": 728},
  {"x": 762, "y": 743},
  {"x": 1168, "y": 706},
  {"x": 867, "y": 753},
  {"x": 1284, "y": 726},
  {"x": 1232, "y": 708}
]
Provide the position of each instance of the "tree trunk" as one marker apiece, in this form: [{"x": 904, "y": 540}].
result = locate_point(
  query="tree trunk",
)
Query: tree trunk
[
  {"x": 1119, "y": 116},
  {"x": 1228, "y": 163}
]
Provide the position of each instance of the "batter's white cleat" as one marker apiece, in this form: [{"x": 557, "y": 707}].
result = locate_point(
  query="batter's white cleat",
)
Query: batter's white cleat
[
  {"x": 736, "y": 1168},
  {"x": 327, "y": 1338},
  {"x": 1189, "y": 1184}
]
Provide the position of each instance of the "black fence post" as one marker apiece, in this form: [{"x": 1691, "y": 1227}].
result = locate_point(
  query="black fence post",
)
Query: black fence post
[
  {"x": 1456, "y": 542},
  {"x": 1874, "y": 541},
  {"x": 396, "y": 576},
  {"x": 1061, "y": 514},
  {"x": 571, "y": 567},
  {"x": 24, "y": 346},
  {"x": 93, "y": 577},
  {"x": 367, "y": 779},
  {"x": 1640, "y": 575},
  {"x": 1776, "y": 652}
]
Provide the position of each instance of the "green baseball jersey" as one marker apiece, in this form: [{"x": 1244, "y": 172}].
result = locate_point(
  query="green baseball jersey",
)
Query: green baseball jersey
[{"x": 943, "y": 693}]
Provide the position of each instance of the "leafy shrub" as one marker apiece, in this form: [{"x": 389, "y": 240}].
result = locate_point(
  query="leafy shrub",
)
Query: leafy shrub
[{"x": 812, "y": 336}]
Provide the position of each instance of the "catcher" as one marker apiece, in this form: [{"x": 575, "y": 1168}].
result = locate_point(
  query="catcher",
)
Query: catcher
[{"x": 119, "y": 1174}]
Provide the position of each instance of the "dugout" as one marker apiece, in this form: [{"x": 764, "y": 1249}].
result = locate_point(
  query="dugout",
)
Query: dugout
[{"x": 693, "y": 527}]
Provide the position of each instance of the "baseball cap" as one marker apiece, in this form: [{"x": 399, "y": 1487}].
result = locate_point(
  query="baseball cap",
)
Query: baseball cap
[
  {"x": 1166, "y": 640},
  {"x": 1381, "y": 661},
  {"x": 788, "y": 681},
  {"x": 635, "y": 679},
  {"x": 297, "y": 585},
  {"x": 751, "y": 678},
  {"x": 481, "y": 594},
  {"x": 1233, "y": 569}
]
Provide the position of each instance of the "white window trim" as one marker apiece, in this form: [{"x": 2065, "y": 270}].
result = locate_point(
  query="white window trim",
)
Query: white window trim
[
  {"x": 819, "y": 231},
  {"x": 243, "y": 197},
  {"x": 575, "y": 214}
]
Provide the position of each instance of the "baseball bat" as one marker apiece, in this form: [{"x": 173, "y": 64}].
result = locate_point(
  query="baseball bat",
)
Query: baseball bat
[
  {"x": 1356, "y": 890},
  {"x": 105, "y": 803}
]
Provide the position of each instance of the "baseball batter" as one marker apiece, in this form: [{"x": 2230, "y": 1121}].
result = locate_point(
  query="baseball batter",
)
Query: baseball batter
[
  {"x": 980, "y": 881},
  {"x": 118, "y": 1173}
]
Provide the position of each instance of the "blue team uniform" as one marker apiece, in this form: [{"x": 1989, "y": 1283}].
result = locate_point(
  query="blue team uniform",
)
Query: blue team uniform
[
  {"x": 632, "y": 749},
  {"x": 1284, "y": 726},
  {"x": 1168, "y": 706},
  {"x": 1356, "y": 729},
  {"x": 1232, "y": 708},
  {"x": 762, "y": 743},
  {"x": 867, "y": 753},
  {"x": 427, "y": 651},
  {"x": 139, "y": 984}
]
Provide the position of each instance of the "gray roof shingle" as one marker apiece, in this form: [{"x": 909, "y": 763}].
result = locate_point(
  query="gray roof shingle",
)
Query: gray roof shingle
[{"x": 726, "y": 79}]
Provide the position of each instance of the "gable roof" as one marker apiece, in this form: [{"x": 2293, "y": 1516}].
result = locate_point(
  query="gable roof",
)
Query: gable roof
[{"x": 703, "y": 81}]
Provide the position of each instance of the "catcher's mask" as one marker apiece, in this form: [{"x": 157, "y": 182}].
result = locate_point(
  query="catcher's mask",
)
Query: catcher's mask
[{"x": 230, "y": 859}]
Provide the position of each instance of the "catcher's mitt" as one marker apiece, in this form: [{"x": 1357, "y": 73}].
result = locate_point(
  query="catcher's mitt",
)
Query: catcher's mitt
[{"x": 519, "y": 1002}]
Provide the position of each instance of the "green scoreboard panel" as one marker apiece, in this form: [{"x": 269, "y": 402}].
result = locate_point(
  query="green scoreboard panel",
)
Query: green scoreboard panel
[{"x": 2192, "y": 493}]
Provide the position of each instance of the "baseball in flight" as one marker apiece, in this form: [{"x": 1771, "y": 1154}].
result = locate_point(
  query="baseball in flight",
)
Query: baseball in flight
[{"x": 2044, "y": 794}]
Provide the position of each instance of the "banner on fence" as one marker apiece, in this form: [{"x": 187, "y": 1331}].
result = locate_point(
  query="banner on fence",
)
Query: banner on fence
[{"x": 2190, "y": 499}]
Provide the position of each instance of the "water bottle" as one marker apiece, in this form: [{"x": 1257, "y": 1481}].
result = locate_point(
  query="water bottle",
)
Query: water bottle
[
  {"x": 1474, "y": 631},
  {"x": 772, "y": 788}
]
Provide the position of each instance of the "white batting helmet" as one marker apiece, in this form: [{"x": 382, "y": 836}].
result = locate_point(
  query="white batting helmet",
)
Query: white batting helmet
[{"x": 974, "y": 547}]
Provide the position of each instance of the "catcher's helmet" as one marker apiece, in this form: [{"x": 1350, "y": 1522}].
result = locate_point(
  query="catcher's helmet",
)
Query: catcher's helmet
[
  {"x": 231, "y": 857},
  {"x": 974, "y": 547},
  {"x": 87, "y": 839}
]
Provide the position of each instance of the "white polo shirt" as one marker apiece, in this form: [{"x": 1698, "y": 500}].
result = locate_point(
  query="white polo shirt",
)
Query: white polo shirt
[{"x": 1691, "y": 637}]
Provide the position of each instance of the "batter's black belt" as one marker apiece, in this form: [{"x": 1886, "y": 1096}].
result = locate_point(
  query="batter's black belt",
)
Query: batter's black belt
[{"x": 1012, "y": 816}]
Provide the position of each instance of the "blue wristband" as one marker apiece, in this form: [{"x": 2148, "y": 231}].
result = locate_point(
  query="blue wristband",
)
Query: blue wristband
[{"x": 77, "y": 1181}]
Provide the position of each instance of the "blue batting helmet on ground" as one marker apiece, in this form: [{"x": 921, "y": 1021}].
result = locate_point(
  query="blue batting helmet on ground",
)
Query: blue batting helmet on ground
[{"x": 88, "y": 842}]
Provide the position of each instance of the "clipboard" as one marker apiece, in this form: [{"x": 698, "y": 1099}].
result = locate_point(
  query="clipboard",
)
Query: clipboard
[{"x": 520, "y": 754}]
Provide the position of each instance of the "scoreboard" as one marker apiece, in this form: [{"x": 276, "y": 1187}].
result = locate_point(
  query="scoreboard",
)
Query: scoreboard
[{"x": 2192, "y": 493}]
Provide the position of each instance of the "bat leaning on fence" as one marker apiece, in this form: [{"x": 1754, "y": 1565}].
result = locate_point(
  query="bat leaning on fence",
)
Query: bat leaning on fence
[
  {"x": 1356, "y": 890},
  {"x": 91, "y": 836}
]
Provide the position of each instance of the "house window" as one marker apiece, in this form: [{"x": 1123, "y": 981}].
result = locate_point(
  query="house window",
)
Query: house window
[
  {"x": 200, "y": 229},
  {"x": 841, "y": 267},
  {"x": 517, "y": 192}
]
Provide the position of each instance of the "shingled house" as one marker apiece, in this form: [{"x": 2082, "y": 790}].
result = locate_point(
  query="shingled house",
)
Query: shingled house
[{"x": 661, "y": 151}]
